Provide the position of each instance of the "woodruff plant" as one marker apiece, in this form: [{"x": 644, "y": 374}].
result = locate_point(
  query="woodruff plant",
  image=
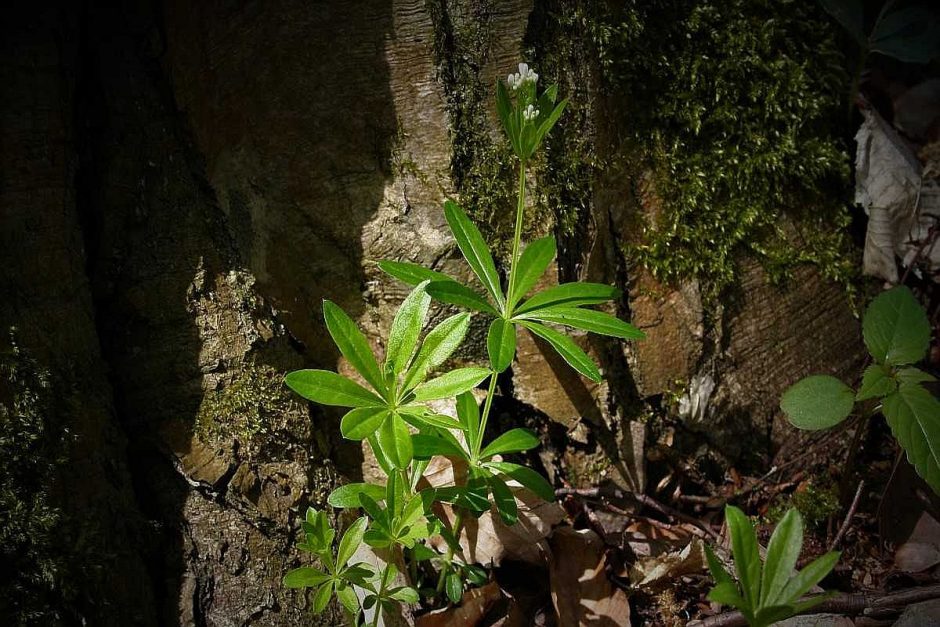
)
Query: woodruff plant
[
  {"x": 393, "y": 414},
  {"x": 897, "y": 334}
]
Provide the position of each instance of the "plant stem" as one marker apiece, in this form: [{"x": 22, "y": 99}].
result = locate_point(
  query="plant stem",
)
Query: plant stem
[
  {"x": 490, "y": 392},
  {"x": 517, "y": 236},
  {"x": 449, "y": 556},
  {"x": 513, "y": 263}
]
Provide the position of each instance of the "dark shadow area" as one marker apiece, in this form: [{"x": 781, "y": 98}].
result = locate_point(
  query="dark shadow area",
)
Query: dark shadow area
[{"x": 221, "y": 143}]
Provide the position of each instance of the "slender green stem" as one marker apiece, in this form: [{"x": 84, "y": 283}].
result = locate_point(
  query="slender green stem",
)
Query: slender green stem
[
  {"x": 449, "y": 556},
  {"x": 514, "y": 262},
  {"x": 487, "y": 404},
  {"x": 517, "y": 236}
]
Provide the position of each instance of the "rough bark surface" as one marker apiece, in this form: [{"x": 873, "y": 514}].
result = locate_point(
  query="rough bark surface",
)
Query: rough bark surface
[{"x": 183, "y": 183}]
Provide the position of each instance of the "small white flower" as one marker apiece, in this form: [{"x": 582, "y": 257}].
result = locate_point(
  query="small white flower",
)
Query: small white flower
[
  {"x": 523, "y": 76},
  {"x": 530, "y": 113}
]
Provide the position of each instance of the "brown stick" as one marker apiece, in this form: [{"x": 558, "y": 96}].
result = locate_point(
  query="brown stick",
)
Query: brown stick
[
  {"x": 642, "y": 499},
  {"x": 847, "y": 604},
  {"x": 848, "y": 517}
]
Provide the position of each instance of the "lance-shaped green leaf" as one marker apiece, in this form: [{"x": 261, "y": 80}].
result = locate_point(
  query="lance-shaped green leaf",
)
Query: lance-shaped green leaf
[
  {"x": 380, "y": 517},
  {"x": 404, "y": 594},
  {"x": 876, "y": 382},
  {"x": 450, "y": 384},
  {"x": 746, "y": 554},
  {"x": 533, "y": 262},
  {"x": 548, "y": 122},
  {"x": 782, "y": 554},
  {"x": 330, "y": 388},
  {"x": 895, "y": 328},
  {"x": 501, "y": 344},
  {"x": 347, "y": 596},
  {"x": 352, "y": 344},
  {"x": 811, "y": 575},
  {"x": 362, "y": 422},
  {"x": 474, "y": 249},
  {"x": 504, "y": 500},
  {"x": 406, "y": 327},
  {"x": 420, "y": 418},
  {"x": 317, "y": 528},
  {"x": 412, "y": 273},
  {"x": 468, "y": 413},
  {"x": 437, "y": 347},
  {"x": 513, "y": 441},
  {"x": 817, "y": 402},
  {"x": 566, "y": 347},
  {"x": 727, "y": 593},
  {"x": 351, "y": 541},
  {"x": 385, "y": 463},
  {"x": 321, "y": 597},
  {"x": 394, "y": 439},
  {"x": 347, "y": 496},
  {"x": 471, "y": 497},
  {"x": 570, "y": 295},
  {"x": 454, "y": 293},
  {"x": 588, "y": 320},
  {"x": 305, "y": 577},
  {"x": 427, "y": 446},
  {"x": 717, "y": 569},
  {"x": 525, "y": 476},
  {"x": 913, "y": 414}
]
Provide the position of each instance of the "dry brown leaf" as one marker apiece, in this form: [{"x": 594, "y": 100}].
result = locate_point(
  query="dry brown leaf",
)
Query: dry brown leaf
[
  {"x": 487, "y": 539},
  {"x": 648, "y": 540},
  {"x": 890, "y": 187},
  {"x": 654, "y": 572},
  {"x": 581, "y": 591},
  {"x": 473, "y": 607},
  {"x": 922, "y": 549}
]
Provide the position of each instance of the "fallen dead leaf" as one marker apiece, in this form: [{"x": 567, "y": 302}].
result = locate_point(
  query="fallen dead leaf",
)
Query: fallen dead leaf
[
  {"x": 474, "y": 605},
  {"x": 581, "y": 591},
  {"x": 922, "y": 549},
  {"x": 654, "y": 572},
  {"x": 487, "y": 540},
  {"x": 890, "y": 187}
]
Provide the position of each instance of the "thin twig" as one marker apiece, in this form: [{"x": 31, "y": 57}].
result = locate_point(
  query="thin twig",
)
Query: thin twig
[
  {"x": 642, "y": 499},
  {"x": 848, "y": 517},
  {"x": 846, "y": 604}
]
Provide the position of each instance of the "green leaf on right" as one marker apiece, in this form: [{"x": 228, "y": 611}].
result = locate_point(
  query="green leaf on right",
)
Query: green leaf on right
[
  {"x": 895, "y": 328},
  {"x": 817, "y": 402},
  {"x": 913, "y": 414}
]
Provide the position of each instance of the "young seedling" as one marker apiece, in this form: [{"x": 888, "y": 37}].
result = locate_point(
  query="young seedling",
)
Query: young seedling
[
  {"x": 391, "y": 409},
  {"x": 339, "y": 576},
  {"x": 897, "y": 334},
  {"x": 770, "y": 591}
]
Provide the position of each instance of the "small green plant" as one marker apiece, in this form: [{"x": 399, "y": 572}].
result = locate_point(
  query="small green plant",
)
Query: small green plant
[
  {"x": 391, "y": 412},
  {"x": 768, "y": 591},
  {"x": 897, "y": 334}
]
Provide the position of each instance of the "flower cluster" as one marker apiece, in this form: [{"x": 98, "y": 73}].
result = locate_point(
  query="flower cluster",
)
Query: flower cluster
[
  {"x": 523, "y": 76},
  {"x": 530, "y": 113}
]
